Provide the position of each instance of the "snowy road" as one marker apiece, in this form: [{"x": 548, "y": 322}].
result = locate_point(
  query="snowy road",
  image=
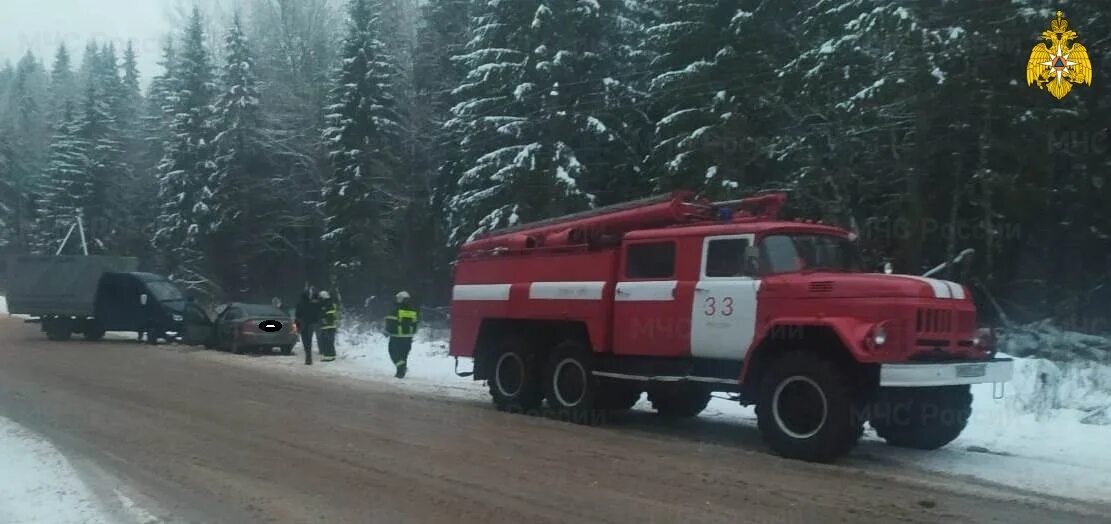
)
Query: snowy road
[{"x": 199, "y": 436}]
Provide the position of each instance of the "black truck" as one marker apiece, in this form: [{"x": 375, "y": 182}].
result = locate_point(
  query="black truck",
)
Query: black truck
[{"x": 91, "y": 295}]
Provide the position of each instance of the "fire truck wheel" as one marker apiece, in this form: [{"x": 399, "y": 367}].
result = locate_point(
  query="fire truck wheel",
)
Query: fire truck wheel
[
  {"x": 515, "y": 380},
  {"x": 686, "y": 401},
  {"x": 922, "y": 418},
  {"x": 573, "y": 392},
  {"x": 807, "y": 408}
]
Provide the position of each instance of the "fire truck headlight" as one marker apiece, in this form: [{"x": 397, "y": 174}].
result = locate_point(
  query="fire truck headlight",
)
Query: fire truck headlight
[{"x": 879, "y": 335}]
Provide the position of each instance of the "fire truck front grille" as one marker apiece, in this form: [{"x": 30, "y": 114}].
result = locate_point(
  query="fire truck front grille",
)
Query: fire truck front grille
[
  {"x": 935, "y": 321},
  {"x": 944, "y": 321}
]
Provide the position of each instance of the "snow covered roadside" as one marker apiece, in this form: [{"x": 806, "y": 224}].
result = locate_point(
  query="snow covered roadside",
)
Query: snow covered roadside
[
  {"x": 3, "y": 305},
  {"x": 37, "y": 483},
  {"x": 1033, "y": 439}
]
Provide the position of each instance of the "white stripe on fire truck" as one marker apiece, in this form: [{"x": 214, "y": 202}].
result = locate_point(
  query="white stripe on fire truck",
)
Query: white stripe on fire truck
[
  {"x": 566, "y": 290},
  {"x": 481, "y": 292},
  {"x": 940, "y": 288},
  {"x": 956, "y": 289}
]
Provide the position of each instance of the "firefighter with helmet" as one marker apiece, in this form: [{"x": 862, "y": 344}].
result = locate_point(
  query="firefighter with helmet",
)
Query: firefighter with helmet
[
  {"x": 401, "y": 325},
  {"x": 328, "y": 326}
]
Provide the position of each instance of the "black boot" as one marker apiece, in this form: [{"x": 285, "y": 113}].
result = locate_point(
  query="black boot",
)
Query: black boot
[{"x": 402, "y": 368}]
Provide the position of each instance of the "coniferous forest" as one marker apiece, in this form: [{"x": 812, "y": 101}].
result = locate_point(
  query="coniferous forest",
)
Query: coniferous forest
[{"x": 356, "y": 143}]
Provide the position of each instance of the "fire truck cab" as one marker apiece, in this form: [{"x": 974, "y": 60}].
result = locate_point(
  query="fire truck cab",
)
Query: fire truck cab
[{"x": 678, "y": 297}]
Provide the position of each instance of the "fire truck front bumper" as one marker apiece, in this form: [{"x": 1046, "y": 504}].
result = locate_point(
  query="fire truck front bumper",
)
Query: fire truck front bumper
[{"x": 952, "y": 373}]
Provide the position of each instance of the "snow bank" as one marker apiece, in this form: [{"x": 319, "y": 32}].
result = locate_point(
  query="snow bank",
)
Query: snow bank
[
  {"x": 37, "y": 484},
  {"x": 3, "y": 305},
  {"x": 1040, "y": 437},
  {"x": 1045, "y": 340}
]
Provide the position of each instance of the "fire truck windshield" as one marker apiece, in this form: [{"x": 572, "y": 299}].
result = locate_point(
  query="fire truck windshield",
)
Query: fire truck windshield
[{"x": 808, "y": 252}]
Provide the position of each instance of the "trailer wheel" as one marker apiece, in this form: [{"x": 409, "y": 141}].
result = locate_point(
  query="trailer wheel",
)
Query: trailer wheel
[
  {"x": 807, "y": 408},
  {"x": 683, "y": 401},
  {"x": 57, "y": 329},
  {"x": 94, "y": 332},
  {"x": 573, "y": 392},
  {"x": 515, "y": 377},
  {"x": 922, "y": 418}
]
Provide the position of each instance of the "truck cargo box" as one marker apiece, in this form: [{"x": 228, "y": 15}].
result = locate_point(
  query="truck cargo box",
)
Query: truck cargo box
[{"x": 63, "y": 285}]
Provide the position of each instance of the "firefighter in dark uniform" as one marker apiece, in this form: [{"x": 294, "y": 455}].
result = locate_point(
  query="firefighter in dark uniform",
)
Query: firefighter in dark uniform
[
  {"x": 329, "y": 324},
  {"x": 401, "y": 325},
  {"x": 307, "y": 317}
]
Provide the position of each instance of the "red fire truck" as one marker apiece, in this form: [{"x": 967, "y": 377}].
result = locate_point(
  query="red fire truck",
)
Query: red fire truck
[{"x": 679, "y": 297}]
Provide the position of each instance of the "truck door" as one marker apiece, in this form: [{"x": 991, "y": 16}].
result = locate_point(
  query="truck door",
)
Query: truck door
[
  {"x": 648, "y": 319},
  {"x": 723, "y": 316}
]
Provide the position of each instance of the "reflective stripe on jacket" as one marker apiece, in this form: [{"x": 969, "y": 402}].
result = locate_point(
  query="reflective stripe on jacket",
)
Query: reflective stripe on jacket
[
  {"x": 331, "y": 316},
  {"x": 402, "y": 323}
]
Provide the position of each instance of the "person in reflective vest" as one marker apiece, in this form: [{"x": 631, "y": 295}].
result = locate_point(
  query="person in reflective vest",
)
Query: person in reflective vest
[
  {"x": 328, "y": 325},
  {"x": 401, "y": 325}
]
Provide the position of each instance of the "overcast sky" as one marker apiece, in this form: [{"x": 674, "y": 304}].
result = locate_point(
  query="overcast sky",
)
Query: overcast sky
[{"x": 40, "y": 25}]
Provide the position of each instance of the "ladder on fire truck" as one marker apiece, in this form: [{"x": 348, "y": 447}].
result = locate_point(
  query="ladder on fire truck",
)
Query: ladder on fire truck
[{"x": 673, "y": 210}]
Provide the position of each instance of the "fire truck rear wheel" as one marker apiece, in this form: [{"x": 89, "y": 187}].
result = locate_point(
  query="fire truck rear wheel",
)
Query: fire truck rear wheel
[
  {"x": 573, "y": 392},
  {"x": 807, "y": 408},
  {"x": 515, "y": 378},
  {"x": 684, "y": 401},
  {"x": 922, "y": 418}
]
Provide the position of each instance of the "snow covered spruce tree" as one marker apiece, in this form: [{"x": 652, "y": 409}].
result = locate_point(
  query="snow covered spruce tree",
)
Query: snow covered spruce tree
[
  {"x": 873, "y": 74},
  {"x": 138, "y": 183},
  {"x": 187, "y": 162},
  {"x": 23, "y": 122},
  {"x": 532, "y": 115},
  {"x": 360, "y": 197},
  {"x": 442, "y": 35},
  {"x": 158, "y": 109},
  {"x": 64, "y": 186},
  {"x": 63, "y": 86},
  {"x": 86, "y": 164},
  {"x": 715, "y": 94},
  {"x": 243, "y": 202}
]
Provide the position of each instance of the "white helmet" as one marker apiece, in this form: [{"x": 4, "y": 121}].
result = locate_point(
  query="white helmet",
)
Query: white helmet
[
  {"x": 324, "y": 295},
  {"x": 404, "y": 295}
]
